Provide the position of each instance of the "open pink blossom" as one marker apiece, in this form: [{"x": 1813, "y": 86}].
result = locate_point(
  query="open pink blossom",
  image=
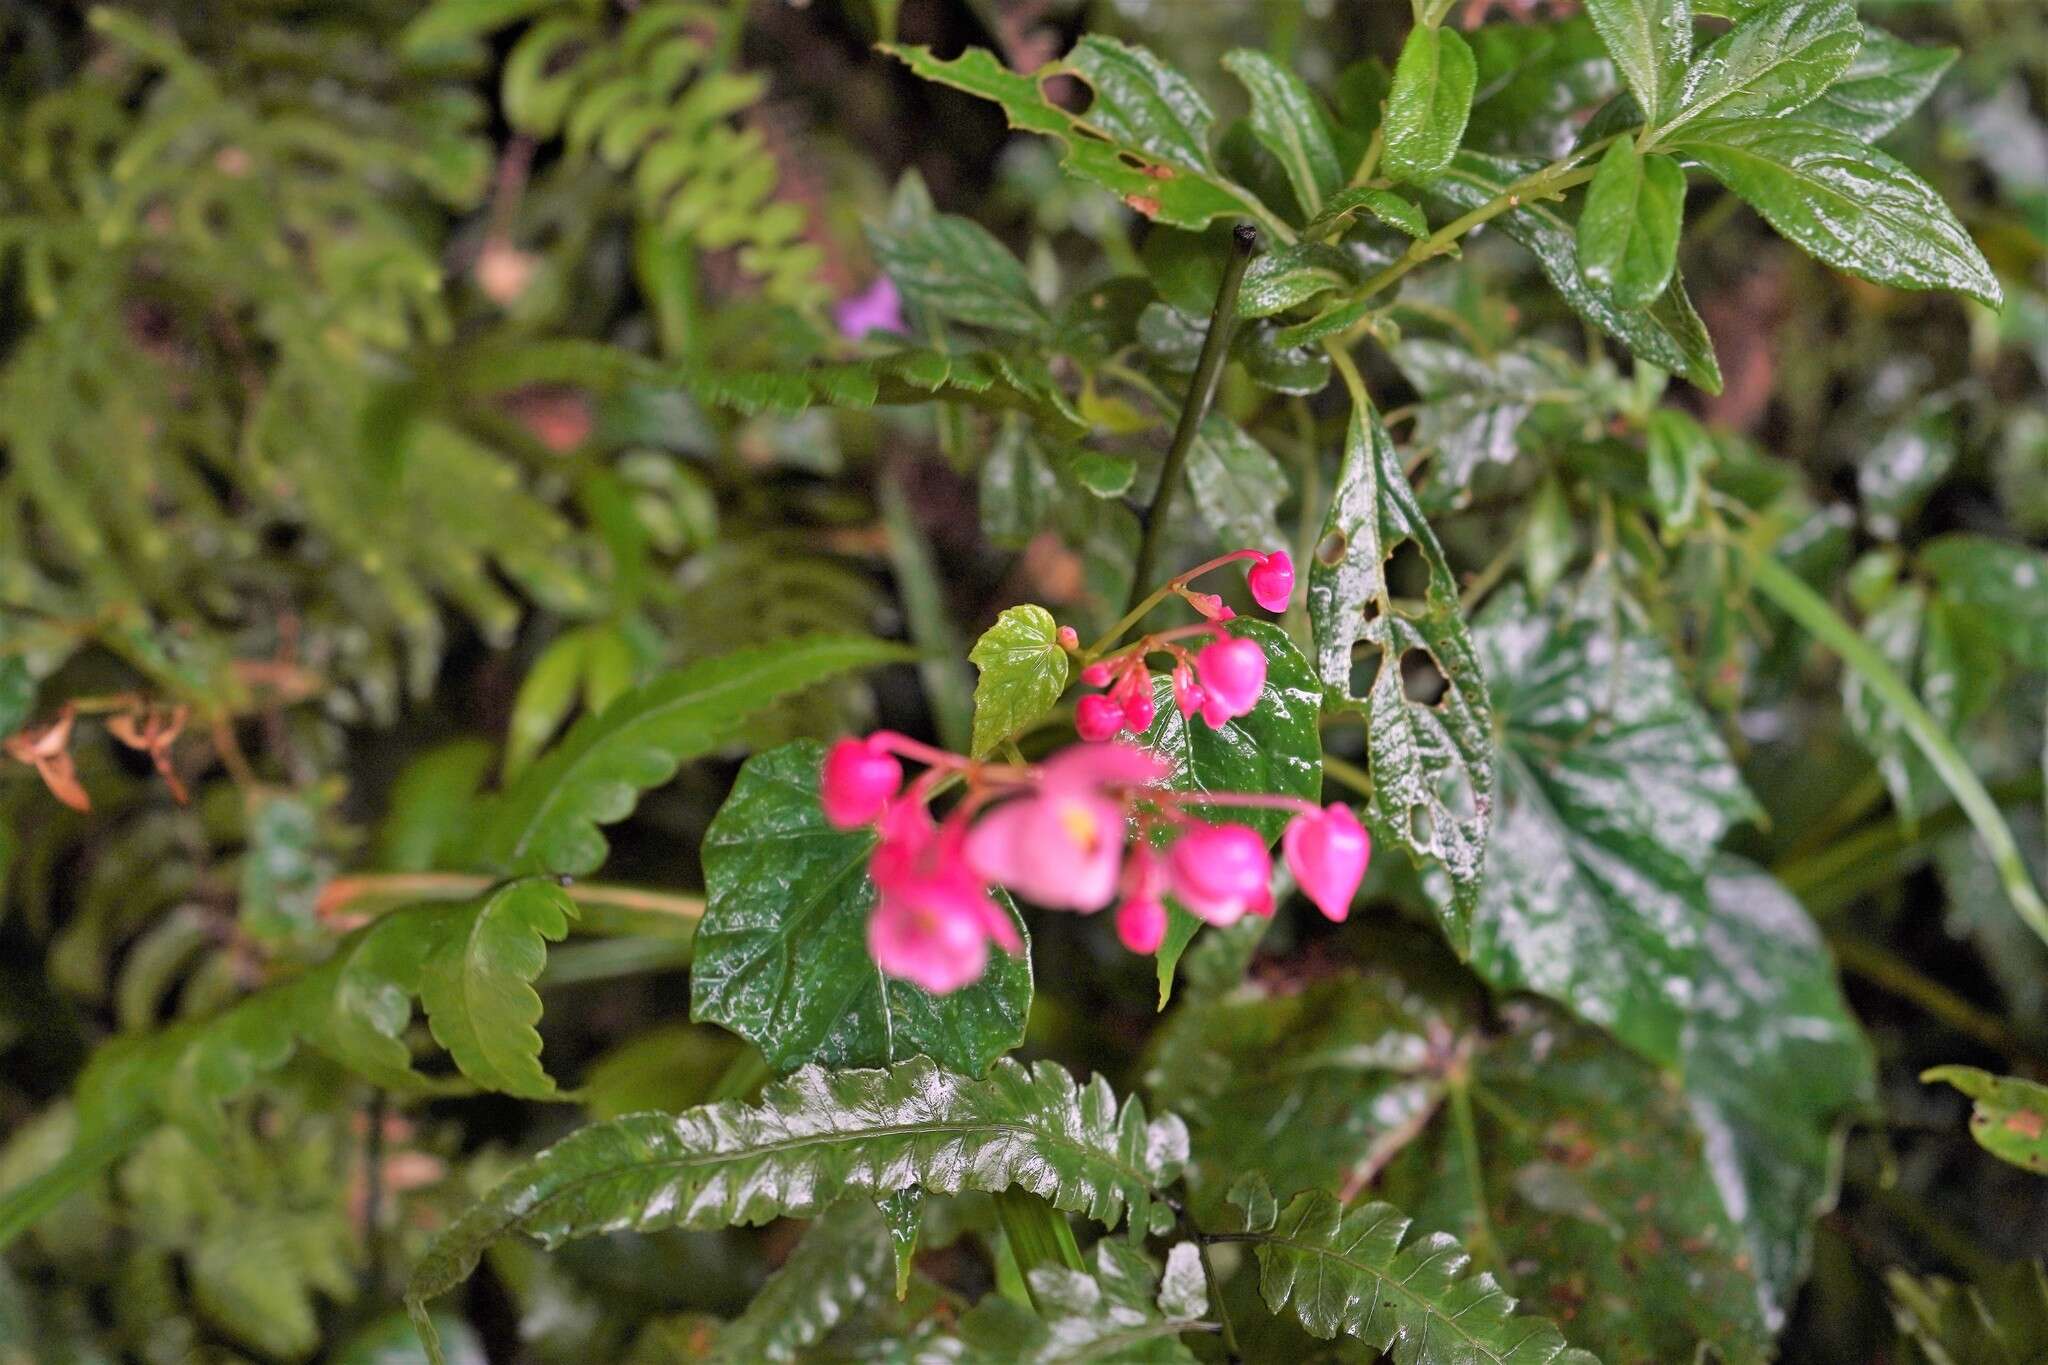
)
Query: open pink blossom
[
  {"x": 1221, "y": 871},
  {"x": 1271, "y": 580},
  {"x": 931, "y": 933},
  {"x": 858, "y": 779},
  {"x": 1062, "y": 845},
  {"x": 1327, "y": 851},
  {"x": 1233, "y": 673},
  {"x": 878, "y": 308}
]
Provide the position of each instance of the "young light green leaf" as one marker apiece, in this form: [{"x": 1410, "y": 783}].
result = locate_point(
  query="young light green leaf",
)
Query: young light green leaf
[
  {"x": 2009, "y": 1118},
  {"x": 1432, "y": 760},
  {"x": 544, "y": 699},
  {"x": 1889, "y": 79},
  {"x": 821, "y": 1136},
  {"x": 1651, "y": 41},
  {"x": 958, "y": 270},
  {"x": 1777, "y": 59},
  {"x": 1845, "y": 203},
  {"x": 1668, "y": 333},
  {"x": 1144, "y": 137},
  {"x": 548, "y": 820},
  {"x": 782, "y": 955},
  {"x": 1385, "y": 205},
  {"x": 1357, "y": 1272},
  {"x": 1289, "y": 123},
  {"x": 1628, "y": 230},
  {"x": 1023, "y": 672},
  {"x": 477, "y": 988},
  {"x": 1429, "y": 105}
]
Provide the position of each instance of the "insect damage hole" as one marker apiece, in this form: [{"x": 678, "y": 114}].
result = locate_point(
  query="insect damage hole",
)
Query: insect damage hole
[
  {"x": 1366, "y": 658},
  {"x": 1406, "y": 569},
  {"x": 1422, "y": 682},
  {"x": 1330, "y": 549}
]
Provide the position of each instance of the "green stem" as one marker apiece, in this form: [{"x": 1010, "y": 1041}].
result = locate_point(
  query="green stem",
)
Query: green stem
[
  {"x": 1348, "y": 773},
  {"x": 1811, "y": 611},
  {"x": 1244, "y": 244},
  {"x": 1481, "y": 1244},
  {"x": 1038, "y": 1235},
  {"x": 24, "y": 1205}
]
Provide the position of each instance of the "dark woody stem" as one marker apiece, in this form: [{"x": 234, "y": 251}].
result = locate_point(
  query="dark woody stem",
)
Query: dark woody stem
[{"x": 1244, "y": 244}]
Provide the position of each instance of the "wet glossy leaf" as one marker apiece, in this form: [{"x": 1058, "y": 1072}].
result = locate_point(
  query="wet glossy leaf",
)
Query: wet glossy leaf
[
  {"x": 1237, "y": 484},
  {"x": 1292, "y": 275},
  {"x": 1125, "y": 1311},
  {"x": 1845, "y": 203},
  {"x": 1777, "y": 59},
  {"x": 1651, "y": 41},
  {"x": 477, "y": 987},
  {"x": 1628, "y": 229},
  {"x": 1344, "y": 208},
  {"x": 782, "y": 956},
  {"x": 2005, "y": 586},
  {"x": 957, "y": 269},
  {"x": 548, "y": 820},
  {"x": 1358, "y": 1272},
  {"x": 1290, "y": 124},
  {"x": 2008, "y": 1116},
  {"x": 1144, "y": 137},
  {"x": 1023, "y": 672},
  {"x": 1474, "y": 406},
  {"x": 1432, "y": 760},
  {"x": 1668, "y": 333},
  {"x": 821, "y": 1136},
  {"x": 1535, "y": 99},
  {"x": 1429, "y": 103},
  {"x": 1889, "y": 79},
  {"x": 1615, "y": 789},
  {"x": 842, "y": 1261}
]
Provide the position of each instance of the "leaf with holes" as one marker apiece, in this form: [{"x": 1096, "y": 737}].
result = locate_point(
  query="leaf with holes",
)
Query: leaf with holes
[
  {"x": 2008, "y": 1116},
  {"x": 1615, "y": 789},
  {"x": 782, "y": 954},
  {"x": 1145, "y": 136},
  {"x": 1023, "y": 672},
  {"x": 1432, "y": 762}
]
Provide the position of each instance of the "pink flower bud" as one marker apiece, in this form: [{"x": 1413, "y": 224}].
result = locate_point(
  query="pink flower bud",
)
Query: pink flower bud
[
  {"x": 1096, "y": 717},
  {"x": 1138, "y": 711},
  {"x": 858, "y": 779},
  {"x": 1141, "y": 924},
  {"x": 1207, "y": 603},
  {"x": 1187, "y": 695},
  {"x": 1095, "y": 675},
  {"x": 1221, "y": 871},
  {"x": 1069, "y": 639},
  {"x": 1271, "y": 580},
  {"x": 1327, "y": 852},
  {"x": 1233, "y": 673}
]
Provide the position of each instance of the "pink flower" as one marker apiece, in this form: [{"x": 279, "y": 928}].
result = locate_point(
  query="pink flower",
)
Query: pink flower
[
  {"x": 1221, "y": 871},
  {"x": 1271, "y": 579},
  {"x": 1327, "y": 852},
  {"x": 878, "y": 308},
  {"x": 1097, "y": 717},
  {"x": 1138, "y": 711},
  {"x": 1233, "y": 673},
  {"x": 1188, "y": 695},
  {"x": 1063, "y": 845},
  {"x": 934, "y": 918},
  {"x": 858, "y": 779}
]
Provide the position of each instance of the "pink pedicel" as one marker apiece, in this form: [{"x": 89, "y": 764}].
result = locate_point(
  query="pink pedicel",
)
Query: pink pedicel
[
  {"x": 1097, "y": 717},
  {"x": 1328, "y": 852},
  {"x": 1271, "y": 580},
  {"x": 1233, "y": 673},
  {"x": 1219, "y": 872},
  {"x": 878, "y": 308},
  {"x": 859, "y": 778}
]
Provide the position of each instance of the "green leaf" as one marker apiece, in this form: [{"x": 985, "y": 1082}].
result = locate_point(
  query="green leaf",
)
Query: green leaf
[
  {"x": 548, "y": 820},
  {"x": 1615, "y": 788},
  {"x": 1775, "y": 1066},
  {"x": 2004, "y": 586},
  {"x": 457, "y": 21},
  {"x": 1474, "y": 406},
  {"x": 429, "y": 804},
  {"x": 1104, "y": 473},
  {"x": 1237, "y": 484},
  {"x": 1291, "y": 276},
  {"x": 546, "y": 696},
  {"x": 2009, "y": 1116},
  {"x": 1358, "y": 1273},
  {"x": 2000, "y": 1320},
  {"x": 391, "y": 1340},
  {"x": 1538, "y": 85},
  {"x": 1290, "y": 124},
  {"x": 1651, "y": 41},
  {"x": 782, "y": 956},
  {"x": 1845, "y": 203},
  {"x": 1023, "y": 672},
  {"x": 1668, "y": 333},
  {"x": 1889, "y": 79},
  {"x": 1776, "y": 59},
  {"x": 478, "y": 992},
  {"x": 954, "y": 267},
  {"x": 1679, "y": 450},
  {"x": 1628, "y": 230},
  {"x": 1432, "y": 761},
  {"x": 842, "y": 1261},
  {"x": 1126, "y": 1312},
  {"x": 823, "y": 1135},
  {"x": 283, "y": 868},
  {"x": 1145, "y": 136},
  {"x": 1385, "y": 205},
  {"x": 1429, "y": 104}
]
